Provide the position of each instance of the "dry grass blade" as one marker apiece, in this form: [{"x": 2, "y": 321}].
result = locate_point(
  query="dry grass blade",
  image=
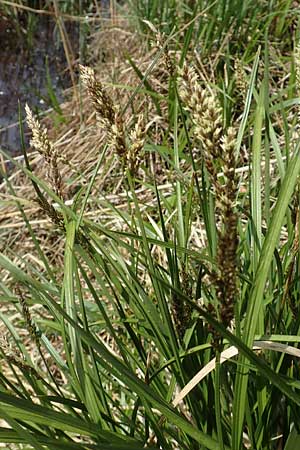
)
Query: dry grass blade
[{"x": 225, "y": 356}]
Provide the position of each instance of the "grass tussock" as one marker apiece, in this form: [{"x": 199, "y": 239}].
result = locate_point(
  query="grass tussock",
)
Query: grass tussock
[{"x": 149, "y": 244}]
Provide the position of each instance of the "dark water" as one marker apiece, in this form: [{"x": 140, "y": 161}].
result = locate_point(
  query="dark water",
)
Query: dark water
[{"x": 23, "y": 72}]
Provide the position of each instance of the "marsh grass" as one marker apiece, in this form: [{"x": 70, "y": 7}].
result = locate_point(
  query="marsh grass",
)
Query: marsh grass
[{"x": 164, "y": 307}]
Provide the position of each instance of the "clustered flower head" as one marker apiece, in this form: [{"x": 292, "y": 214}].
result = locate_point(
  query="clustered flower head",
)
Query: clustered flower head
[
  {"x": 240, "y": 79},
  {"x": 40, "y": 141},
  {"x": 218, "y": 149},
  {"x": 205, "y": 112},
  {"x": 109, "y": 117},
  {"x": 137, "y": 139},
  {"x": 191, "y": 92}
]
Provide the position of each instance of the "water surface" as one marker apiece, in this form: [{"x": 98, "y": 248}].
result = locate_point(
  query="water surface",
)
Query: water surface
[{"x": 23, "y": 72}]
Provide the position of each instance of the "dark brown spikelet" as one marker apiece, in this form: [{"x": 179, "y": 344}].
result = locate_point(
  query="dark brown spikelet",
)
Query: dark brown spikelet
[
  {"x": 55, "y": 217},
  {"x": 181, "y": 309},
  {"x": 30, "y": 325}
]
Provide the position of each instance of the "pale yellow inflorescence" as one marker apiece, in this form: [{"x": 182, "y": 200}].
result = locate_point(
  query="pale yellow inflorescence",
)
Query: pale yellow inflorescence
[
  {"x": 218, "y": 147},
  {"x": 41, "y": 142},
  {"x": 296, "y": 131},
  {"x": 297, "y": 66},
  {"x": 206, "y": 114},
  {"x": 191, "y": 91},
  {"x": 240, "y": 79},
  {"x": 137, "y": 139}
]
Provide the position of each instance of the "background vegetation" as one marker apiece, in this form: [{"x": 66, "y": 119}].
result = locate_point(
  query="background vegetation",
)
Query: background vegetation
[{"x": 150, "y": 242}]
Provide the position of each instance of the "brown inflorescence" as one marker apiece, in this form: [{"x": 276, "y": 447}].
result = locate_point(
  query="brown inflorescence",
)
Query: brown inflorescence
[
  {"x": 30, "y": 325},
  {"x": 181, "y": 310}
]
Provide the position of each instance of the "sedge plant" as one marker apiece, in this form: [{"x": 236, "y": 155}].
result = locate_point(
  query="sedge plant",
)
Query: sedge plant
[{"x": 171, "y": 323}]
